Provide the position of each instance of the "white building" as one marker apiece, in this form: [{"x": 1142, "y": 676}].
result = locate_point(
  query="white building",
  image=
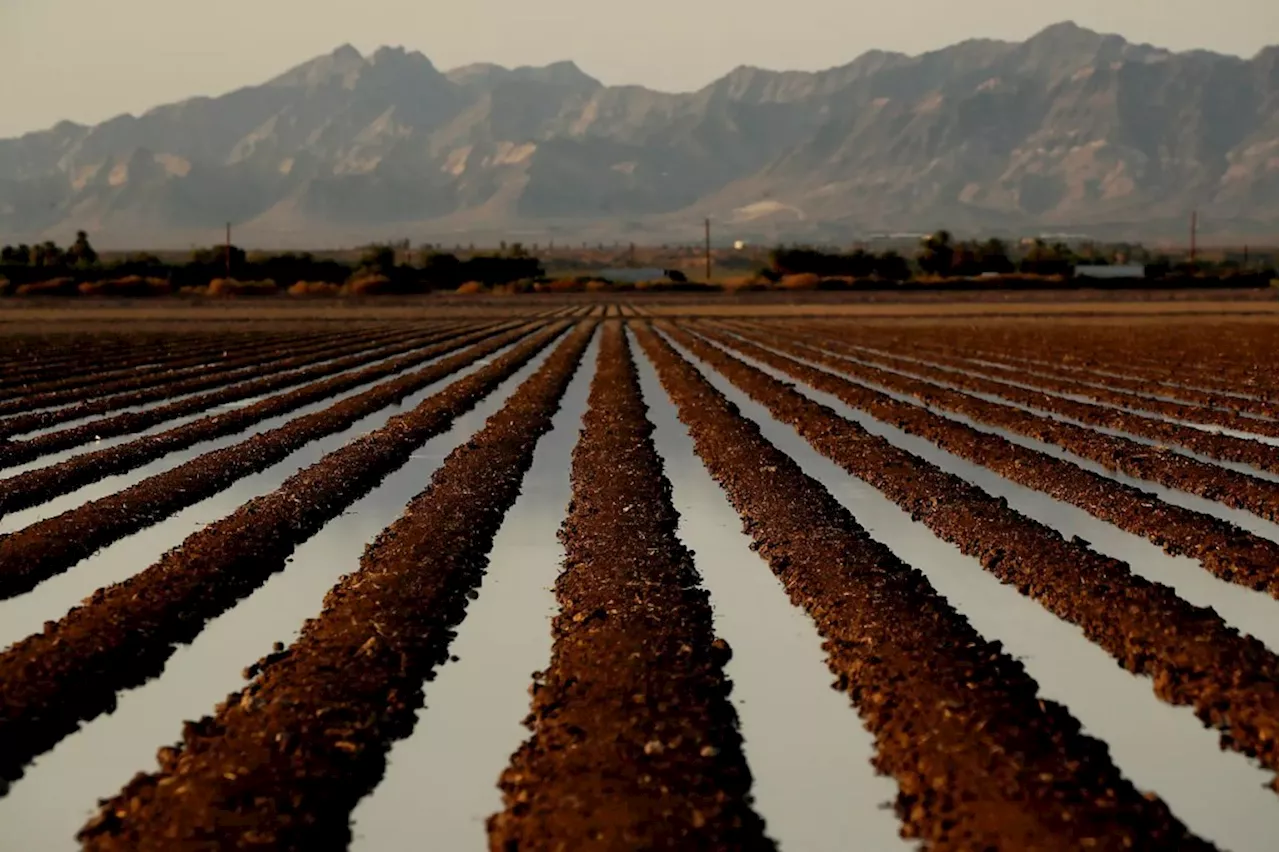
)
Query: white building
[{"x": 1128, "y": 270}]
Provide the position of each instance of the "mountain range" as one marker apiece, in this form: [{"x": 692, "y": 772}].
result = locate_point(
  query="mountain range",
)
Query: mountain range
[{"x": 1068, "y": 131}]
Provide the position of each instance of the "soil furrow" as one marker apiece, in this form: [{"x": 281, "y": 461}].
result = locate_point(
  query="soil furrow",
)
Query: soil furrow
[
  {"x": 999, "y": 768},
  {"x": 281, "y": 764},
  {"x": 1180, "y": 348},
  {"x": 1221, "y": 547},
  {"x": 1224, "y": 447},
  {"x": 48, "y": 547},
  {"x": 1192, "y": 656},
  {"x": 1133, "y": 384},
  {"x": 14, "y": 453},
  {"x": 635, "y": 744},
  {"x": 73, "y": 357},
  {"x": 1136, "y": 404},
  {"x": 33, "y": 487},
  {"x": 274, "y": 361},
  {"x": 123, "y": 634},
  {"x": 96, "y": 382},
  {"x": 1141, "y": 461}
]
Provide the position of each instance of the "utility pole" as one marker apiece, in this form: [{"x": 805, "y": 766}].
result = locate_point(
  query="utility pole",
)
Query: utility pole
[
  {"x": 228, "y": 250},
  {"x": 707, "y": 227},
  {"x": 1193, "y": 236}
]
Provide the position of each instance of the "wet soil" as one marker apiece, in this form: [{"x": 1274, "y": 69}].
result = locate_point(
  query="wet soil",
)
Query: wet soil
[
  {"x": 281, "y": 764},
  {"x": 999, "y": 768},
  {"x": 123, "y": 634},
  {"x": 33, "y": 487},
  {"x": 635, "y": 744}
]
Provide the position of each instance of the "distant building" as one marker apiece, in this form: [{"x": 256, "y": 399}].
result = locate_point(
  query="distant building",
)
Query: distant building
[
  {"x": 648, "y": 273},
  {"x": 1127, "y": 270}
]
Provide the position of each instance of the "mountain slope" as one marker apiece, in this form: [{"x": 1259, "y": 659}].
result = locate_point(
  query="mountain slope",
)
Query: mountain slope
[{"x": 1069, "y": 129}]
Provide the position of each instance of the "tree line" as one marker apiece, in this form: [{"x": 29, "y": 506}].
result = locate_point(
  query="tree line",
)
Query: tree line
[
  {"x": 940, "y": 255},
  {"x": 379, "y": 269}
]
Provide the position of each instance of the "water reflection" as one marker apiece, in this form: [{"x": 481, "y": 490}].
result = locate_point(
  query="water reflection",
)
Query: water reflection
[
  {"x": 1161, "y": 748},
  {"x": 58, "y": 793}
]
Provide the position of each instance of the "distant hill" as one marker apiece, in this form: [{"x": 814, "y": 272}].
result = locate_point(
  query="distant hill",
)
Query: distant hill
[{"x": 1070, "y": 130}]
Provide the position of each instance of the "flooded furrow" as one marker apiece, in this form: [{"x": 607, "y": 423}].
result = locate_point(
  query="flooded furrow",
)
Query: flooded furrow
[
  {"x": 445, "y": 774},
  {"x": 1249, "y": 611},
  {"x": 51, "y": 600},
  {"x": 810, "y": 758},
  {"x": 309, "y": 733},
  {"x": 60, "y": 789},
  {"x": 993, "y": 770},
  {"x": 1161, "y": 748}
]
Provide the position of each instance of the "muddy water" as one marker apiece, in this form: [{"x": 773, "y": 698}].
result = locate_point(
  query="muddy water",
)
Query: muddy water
[
  {"x": 60, "y": 789},
  {"x": 445, "y": 774},
  {"x": 1164, "y": 749},
  {"x": 1250, "y": 612},
  {"x": 807, "y": 750}
]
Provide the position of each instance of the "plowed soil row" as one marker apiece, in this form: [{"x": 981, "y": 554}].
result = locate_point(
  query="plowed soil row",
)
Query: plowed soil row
[
  {"x": 1193, "y": 657},
  {"x": 282, "y": 763},
  {"x": 36, "y": 486},
  {"x": 635, "y": 744},
  {"x": 1176, "y": 352},
  {"x": 124, "y": 633},
  {"x": 1223, "y": 447},
  {"x": 50, "y": 546},
  {"x": 1133, "y": 384},
  {"x": 63, "y": 356},
  {"x": 111, "y": 379},
  {"x": 1221, "y": 547},
  {"x": 980, "y": 761},
  {"x": 1189, "y": 412},
  {"x": 1142, "y": 461},
  {"x": 274, "y": 361},
  {"x": 24, "y": 350}
]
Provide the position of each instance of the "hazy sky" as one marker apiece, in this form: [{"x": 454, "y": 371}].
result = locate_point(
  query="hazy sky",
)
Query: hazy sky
[{"x": 88, "y": 60}]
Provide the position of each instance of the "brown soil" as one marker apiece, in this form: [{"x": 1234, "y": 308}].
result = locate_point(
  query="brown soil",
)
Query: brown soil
[
  {"x": 1224, "y": 549},
  {"x": 635, "y": 744},
  {"x": 999, "y": 767},
  {"x": 124, "y": 633},
  {"x": 83, "y": 375},
  {"x": 282, "y": 763},
  {"x": 1191, "y": 655},
  {"x": 1142, "y": 461},
  {"x": 48, "y": 547},
  {"x": 152, "y": 389},
  {"x": 36, "y": 486}
]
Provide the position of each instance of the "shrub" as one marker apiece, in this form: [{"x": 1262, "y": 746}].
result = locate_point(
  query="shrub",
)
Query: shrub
[
  {"x": 471, "y": 288},
  {"x": 132, "y": 286},
  {"x": 314, "y": 288},
  {"x": 231, "y": 287},
  {"x": 369, "y": 285},
  {"x": 52, "y": 287},
  {"x": 802, "y": 281}
]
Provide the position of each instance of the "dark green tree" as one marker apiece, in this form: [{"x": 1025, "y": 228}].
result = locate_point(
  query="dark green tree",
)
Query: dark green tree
[
  {"x": 936, "y": 253},
  {"x": 81, "y": 252}
]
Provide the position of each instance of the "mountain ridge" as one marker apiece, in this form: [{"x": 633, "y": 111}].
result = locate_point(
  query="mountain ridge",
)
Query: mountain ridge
[{"x": 1070, "y": 129}]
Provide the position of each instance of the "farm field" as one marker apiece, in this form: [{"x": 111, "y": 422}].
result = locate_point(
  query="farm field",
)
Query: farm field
[{"x": 635, "y": 573}]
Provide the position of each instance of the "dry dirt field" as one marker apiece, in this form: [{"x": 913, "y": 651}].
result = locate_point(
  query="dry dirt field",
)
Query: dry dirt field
[{"x": 796, "y": 572}]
